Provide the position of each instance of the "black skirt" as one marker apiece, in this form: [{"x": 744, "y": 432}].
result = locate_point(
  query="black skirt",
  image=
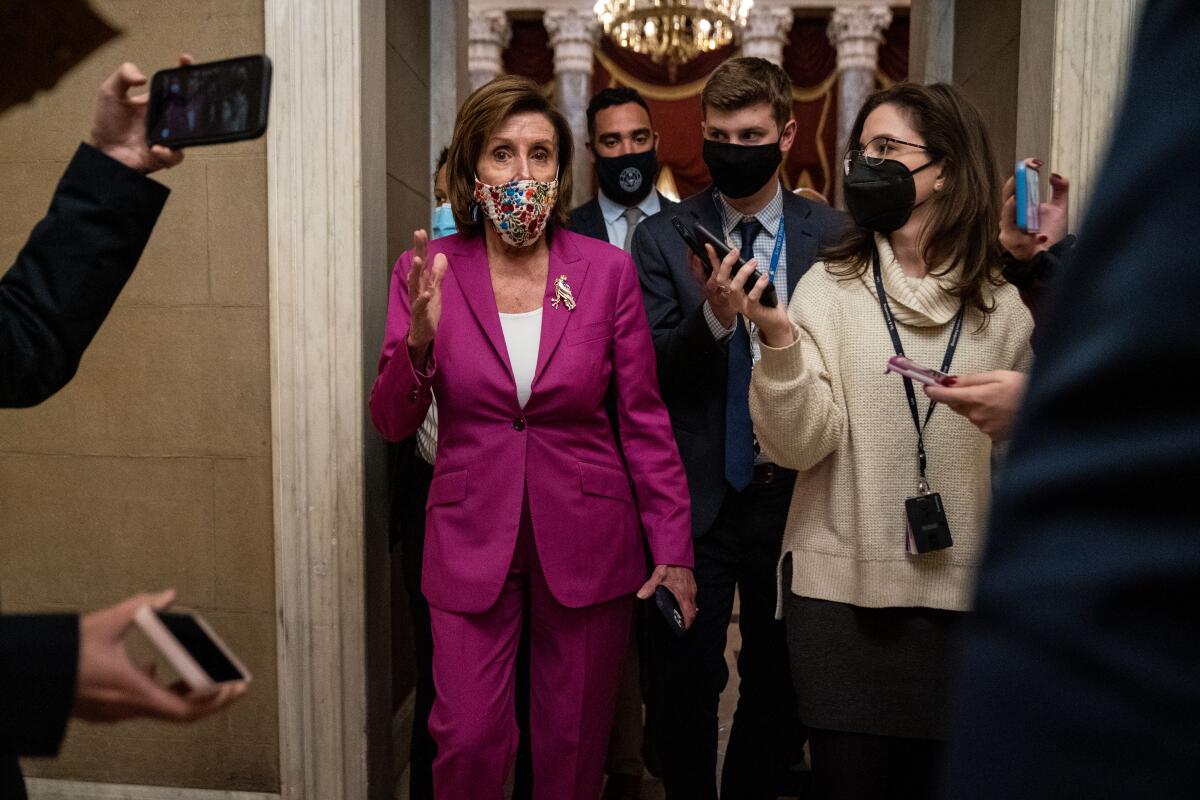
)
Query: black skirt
[{"x": 879, "y": 671}]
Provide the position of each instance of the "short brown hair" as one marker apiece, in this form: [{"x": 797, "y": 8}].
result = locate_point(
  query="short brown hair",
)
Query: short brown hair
[
  {"x": 963, "y": 226},
  {"x": 743, "y": 82},
  {"x": 480, "y": 115}
]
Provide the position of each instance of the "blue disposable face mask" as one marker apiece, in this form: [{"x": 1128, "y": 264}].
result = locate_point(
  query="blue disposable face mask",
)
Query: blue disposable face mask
[{"x": 443, "y": 222}]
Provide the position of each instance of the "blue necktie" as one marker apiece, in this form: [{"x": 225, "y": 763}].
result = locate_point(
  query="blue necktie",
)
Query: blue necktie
[{"x": 739, "y": 431}]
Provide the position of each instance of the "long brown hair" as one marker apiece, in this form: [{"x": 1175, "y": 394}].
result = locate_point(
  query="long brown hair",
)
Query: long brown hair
[
  {"x": 482, "y": 113},
  {"x": 963, "y": 225}
]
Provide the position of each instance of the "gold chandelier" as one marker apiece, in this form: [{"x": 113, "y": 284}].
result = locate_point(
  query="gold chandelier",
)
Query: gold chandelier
[{"x": 675, "y": 31}]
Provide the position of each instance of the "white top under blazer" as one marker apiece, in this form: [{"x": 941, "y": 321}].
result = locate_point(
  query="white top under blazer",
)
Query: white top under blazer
[{"x": 522, "y": 336}]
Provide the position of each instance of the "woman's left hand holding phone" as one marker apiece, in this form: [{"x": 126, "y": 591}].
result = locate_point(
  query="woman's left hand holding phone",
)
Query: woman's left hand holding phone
[
  {"x": 424, "y": 297},
  {"x": 774, "y": 327}
]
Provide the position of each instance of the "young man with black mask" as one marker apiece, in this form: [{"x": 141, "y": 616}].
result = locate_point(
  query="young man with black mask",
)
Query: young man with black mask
[
  {"x": 623, "y": 146},
  {"x": 739, "y": 499}
]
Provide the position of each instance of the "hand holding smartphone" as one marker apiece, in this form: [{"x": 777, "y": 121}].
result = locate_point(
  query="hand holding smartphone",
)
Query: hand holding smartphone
[
  {"x": 910, "y": 369},
  {"x": 1028, "y": 212},
  {"x": 698, "y": 236},
  {"x": 192, "y": 648},
  {"x": 668, "y": 606}
]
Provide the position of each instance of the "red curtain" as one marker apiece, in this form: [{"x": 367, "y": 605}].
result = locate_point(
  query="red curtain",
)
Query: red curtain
[
  {"x": 528, "y": 52},
  {"x": 674, "y": 98}
]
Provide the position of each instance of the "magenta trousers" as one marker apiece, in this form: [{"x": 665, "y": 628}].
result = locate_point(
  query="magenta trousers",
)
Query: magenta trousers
[{"x": 575, "y": 659}]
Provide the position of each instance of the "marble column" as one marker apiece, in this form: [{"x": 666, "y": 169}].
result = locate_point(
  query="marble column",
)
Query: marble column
[
  {"x": 931, "y": 45},
  {"x": 488, "y": 34},
  {"x": 1074, "y": 58},
  {"x": 766, "y": 32},
  {"x": 573, "y": 35},
  {"x": 449, "y": 81},
  {"x": 856, "y": 32}
]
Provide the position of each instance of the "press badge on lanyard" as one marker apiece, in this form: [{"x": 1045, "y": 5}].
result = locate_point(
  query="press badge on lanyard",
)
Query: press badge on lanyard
[
  {"x": 927, "y": 528},
  {"x": 772, "y": 268}
]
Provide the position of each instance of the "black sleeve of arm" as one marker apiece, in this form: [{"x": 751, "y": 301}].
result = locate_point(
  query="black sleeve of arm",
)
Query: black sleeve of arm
[
  {"x": 39, "y": 659},
  {"x": 69, "y": 273},
  {"x": 1034, "y": 278},
  {"x": 683, "y": 343}
]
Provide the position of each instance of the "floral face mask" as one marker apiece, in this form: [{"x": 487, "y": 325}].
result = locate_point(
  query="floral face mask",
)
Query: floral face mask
[{"x": 519, "y": 210}]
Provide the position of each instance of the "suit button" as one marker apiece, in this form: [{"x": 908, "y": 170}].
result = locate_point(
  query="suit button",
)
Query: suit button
[
  {"x": 518, "y": 424},
  {"x": 413, "y": 395}
]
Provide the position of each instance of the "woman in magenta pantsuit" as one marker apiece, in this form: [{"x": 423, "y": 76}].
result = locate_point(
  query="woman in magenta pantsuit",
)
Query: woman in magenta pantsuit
[{"x": 541, "y": 506}]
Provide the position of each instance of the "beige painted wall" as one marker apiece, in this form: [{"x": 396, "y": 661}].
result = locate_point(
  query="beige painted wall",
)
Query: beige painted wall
[{"x": 153, "y": 468}]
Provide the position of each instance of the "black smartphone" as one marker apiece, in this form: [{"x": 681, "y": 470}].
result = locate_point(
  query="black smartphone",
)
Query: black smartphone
[
  {"x": 668, "y": 606},
  {"x": 213, "y": 103},
  {"x": 698, "y": 236}
]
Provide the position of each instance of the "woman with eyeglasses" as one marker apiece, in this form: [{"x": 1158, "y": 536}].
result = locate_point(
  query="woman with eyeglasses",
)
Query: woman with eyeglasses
[{"x": 888, "y": 517}]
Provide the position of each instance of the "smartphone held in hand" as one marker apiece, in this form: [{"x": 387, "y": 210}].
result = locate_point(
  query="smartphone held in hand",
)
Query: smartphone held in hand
[
  {"x": 907, "y": 368},
  {"x": 1028, "y": 217},
  {"x": 698, "y": 236},
  {"x": 192, "y": 648},
  {"x": 213, "y": 103},
  {"x": 668, "y": 606}
]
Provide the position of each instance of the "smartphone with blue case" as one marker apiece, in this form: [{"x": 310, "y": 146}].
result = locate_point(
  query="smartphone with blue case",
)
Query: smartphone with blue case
[{"x": 1028, "y": 218}]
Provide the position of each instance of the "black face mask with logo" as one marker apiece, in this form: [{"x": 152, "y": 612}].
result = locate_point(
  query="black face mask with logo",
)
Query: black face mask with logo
[
  {"x": 881, "y": 197},
  {"x": 629, "y": 178},
  {"x": 741, "y": 170}
]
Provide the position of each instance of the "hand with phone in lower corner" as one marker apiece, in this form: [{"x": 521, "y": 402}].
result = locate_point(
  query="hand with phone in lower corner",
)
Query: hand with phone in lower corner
[
  {"x": 1053, "y": 217},
  {"x": 989, "y": 400},
  {"x": 110, "y": 687}
]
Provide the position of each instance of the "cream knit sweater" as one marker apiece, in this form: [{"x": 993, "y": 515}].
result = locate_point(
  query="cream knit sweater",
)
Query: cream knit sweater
[{"x": 824, "y": 406}]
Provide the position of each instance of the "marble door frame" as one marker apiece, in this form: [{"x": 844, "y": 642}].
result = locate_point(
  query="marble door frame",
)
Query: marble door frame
[
  {"x": 327, "y": 205},
  {"x": 1073, "y": 64}
]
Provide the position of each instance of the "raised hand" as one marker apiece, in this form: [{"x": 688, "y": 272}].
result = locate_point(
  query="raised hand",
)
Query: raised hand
[
  {"x": 110, "y": 687},
  {"x": 119, "y": 129},
  {"x": 424, "y": 297},
  {"x": 1053, "y": 217}
]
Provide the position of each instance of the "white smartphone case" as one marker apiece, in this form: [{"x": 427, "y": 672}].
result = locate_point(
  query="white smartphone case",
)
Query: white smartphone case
[{"x": 177, "y": 655}]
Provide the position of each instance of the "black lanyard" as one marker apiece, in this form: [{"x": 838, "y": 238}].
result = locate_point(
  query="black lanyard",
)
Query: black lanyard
[{"x": 908, "y": 384}]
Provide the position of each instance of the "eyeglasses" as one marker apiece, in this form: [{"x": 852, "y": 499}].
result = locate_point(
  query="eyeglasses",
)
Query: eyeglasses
[{"x": 878, "y": 150}]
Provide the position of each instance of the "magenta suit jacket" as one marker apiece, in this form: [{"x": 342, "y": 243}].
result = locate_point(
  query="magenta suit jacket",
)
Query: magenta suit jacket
[{"x": 589, "y": 505}]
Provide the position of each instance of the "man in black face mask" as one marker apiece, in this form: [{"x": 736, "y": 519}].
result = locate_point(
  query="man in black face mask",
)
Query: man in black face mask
[
  {"x": 739, "y": 499},
  {"x": 622, "y": 144}
]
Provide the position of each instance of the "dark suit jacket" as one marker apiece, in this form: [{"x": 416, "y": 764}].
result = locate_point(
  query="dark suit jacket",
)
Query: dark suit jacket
[
  {"x": 1080, "y": 672},
  {"x": 52, "y": 302},
  {"x": 691, "y": 364},
  {"x": 588, "y": 219}
]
